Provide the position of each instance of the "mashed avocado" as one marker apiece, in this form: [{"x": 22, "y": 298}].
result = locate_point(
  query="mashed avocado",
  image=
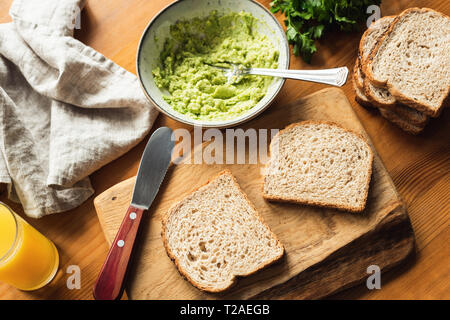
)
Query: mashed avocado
[{"x": 201, "y": 91}]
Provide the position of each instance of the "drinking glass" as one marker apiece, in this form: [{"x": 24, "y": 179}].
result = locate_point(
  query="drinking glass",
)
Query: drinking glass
[{"x": 28, "y": 260}]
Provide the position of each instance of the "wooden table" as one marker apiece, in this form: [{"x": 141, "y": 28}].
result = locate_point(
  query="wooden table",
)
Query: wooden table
[{"x": 419, "y": 165}]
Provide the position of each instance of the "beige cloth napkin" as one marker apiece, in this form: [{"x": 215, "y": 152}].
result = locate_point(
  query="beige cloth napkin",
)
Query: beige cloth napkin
[{"x": 65, "y": 110}]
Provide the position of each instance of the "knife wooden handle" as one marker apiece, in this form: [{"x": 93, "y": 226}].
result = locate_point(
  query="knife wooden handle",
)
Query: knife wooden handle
[{"x": 110, "y": 282}]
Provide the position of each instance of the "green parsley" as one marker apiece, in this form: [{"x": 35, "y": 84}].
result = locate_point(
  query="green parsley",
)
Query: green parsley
[{"x": 306, "y": 20}]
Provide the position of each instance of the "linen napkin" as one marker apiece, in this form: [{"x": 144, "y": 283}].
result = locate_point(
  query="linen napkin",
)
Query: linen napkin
[{"x": 65, "y": 109}]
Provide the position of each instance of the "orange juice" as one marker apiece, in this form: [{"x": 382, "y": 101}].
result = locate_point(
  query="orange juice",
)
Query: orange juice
[{"x": 28, "y": 260}]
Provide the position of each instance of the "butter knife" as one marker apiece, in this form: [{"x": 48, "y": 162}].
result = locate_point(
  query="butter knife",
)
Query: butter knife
[{"x": 152, "y": 169}]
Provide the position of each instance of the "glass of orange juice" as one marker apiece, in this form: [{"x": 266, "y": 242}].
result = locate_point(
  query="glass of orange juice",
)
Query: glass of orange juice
[{"x": 28, "y": 260}]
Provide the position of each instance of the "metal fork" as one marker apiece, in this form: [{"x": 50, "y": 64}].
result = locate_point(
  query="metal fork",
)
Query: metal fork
[{"x": 335, "y": 77}]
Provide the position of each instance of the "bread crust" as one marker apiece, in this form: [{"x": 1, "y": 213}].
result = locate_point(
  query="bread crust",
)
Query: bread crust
[
  {"x": 366, "y": 33},
  {"x": 393, "y": 114},
  {"x": 359, "y": 95},
  {"x": 396, "y": 112},
  {"x": 367, "y": 69},
  {"x": 316, "y": 203},
  {"x": 235, "y": 278},
  {"x": 356, "y": 70},
  {"x": 402, "y": 124},
  {"x": 400, "y": 111},
  {"x": 373, "y": 99},
  {"x": 366, "y": 64}
]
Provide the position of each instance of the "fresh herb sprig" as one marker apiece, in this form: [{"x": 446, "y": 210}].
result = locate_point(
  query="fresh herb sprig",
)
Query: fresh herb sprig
[{"x": 306, "y": 20}]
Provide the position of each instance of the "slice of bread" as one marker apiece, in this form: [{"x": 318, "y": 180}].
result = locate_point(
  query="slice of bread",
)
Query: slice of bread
[
  {"x": 411, "y": 60},
  {"x": 408, "y": 119},
  {"x": 358, "y": 86},
  {"x": 409, "y": 115},
  {"x": 319, "y": 163},
  {"x": 371, "y": 36},
  {"x": 360, "y": 97},
  {"x": 400, "y": 122},
  {"x": 358, "y": 76},
  {"x": 215, "y": 235},
  {"x": 381, "y": 97}
]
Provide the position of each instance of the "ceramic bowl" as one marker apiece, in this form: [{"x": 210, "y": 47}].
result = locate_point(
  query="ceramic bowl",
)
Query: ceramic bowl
[{"x": 148, "y": 52}]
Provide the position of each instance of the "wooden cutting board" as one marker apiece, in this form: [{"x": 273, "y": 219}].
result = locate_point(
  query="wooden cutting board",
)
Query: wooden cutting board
[{"x": 326, "y": 250}]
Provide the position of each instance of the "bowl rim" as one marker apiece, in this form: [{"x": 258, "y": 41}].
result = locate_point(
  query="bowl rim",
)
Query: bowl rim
[{"x": 225, "y": 123}]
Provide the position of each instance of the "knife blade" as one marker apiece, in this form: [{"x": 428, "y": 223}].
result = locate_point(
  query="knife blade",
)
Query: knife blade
[{"x": 153, "y": 167}]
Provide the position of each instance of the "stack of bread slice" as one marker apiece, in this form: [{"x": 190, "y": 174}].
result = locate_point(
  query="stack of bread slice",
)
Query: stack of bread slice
[{"x": 403, "y": 67}]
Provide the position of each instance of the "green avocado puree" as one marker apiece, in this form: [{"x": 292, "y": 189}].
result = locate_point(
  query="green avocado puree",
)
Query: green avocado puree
[{"x": 199, "y": 90}]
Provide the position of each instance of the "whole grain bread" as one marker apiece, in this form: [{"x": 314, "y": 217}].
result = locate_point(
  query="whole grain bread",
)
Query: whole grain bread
[
  {"x": 358, "y": 76},
  {"x": 409, "y": 115},
  {"x": 390, "y": 115},
  {"x": 406, "y": 118},
  {"x": 381, "y": 97},
  {"x": 360, "y": 97},
  {"x": 400, "y": 122},
  {"x": 411, "y": 60},
  {"x": 215, "y": 235},
  {"x": 371, "y": 36},
  {"x": 319, "y": 163}
]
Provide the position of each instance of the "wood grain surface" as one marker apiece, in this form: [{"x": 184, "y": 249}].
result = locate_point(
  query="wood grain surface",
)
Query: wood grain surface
[
  {"x": 419, "y": 165},
  {"x": 309, "y": 234}
]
